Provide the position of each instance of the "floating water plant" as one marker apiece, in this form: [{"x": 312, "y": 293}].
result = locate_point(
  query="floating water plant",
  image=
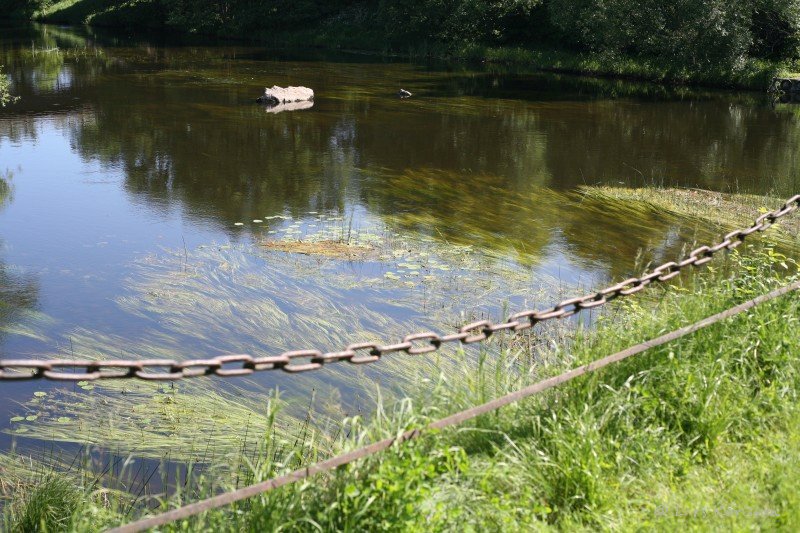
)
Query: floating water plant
[
  {"x": 713, "y": 213},
  {"x": 321, "y": 248}
]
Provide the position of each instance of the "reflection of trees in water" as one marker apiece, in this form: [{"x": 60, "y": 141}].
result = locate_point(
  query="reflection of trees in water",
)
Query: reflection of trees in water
[
  {"x": 17, "y": 293},
  {"x": 713, "y": 144},
  {"x": 5, "y": 191},
  {"x": 466, "y": 155},
  {"x": 466, "y": 167}
]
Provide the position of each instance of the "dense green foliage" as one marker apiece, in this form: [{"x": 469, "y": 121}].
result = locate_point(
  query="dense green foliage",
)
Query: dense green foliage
[
  {"x": 699, "y": 433},
  {"x": 5, "y": 96},
  {"x": 693, "y": 34}
]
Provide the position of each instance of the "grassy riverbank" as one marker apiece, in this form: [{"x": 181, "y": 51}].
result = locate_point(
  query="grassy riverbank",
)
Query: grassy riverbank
[
  {"x": 753, "y": 75},
  {"x": 701, "y": 433},
  {"x": 523, "y": 37}
]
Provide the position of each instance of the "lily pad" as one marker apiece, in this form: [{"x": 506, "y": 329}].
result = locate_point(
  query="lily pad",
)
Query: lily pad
[
  {"x": 64, "y": 419},
  {"x": 17, "y": 419},
  {"x": 39, "y": 393},
  {"x": 31, "y": 418}
]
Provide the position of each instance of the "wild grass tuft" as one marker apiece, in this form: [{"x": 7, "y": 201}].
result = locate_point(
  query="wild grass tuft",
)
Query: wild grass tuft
[{"x": 47, "y": 506}]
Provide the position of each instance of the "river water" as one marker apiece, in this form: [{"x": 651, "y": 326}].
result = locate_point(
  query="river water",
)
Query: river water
[{"x": 142, "y": 181}]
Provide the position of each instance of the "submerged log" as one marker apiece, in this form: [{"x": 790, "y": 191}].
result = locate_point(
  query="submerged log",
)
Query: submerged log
[{"x": 285, "y": 95}]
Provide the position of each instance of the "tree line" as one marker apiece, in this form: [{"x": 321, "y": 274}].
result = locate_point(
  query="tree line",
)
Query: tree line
[{"x": 693, "y": 33}]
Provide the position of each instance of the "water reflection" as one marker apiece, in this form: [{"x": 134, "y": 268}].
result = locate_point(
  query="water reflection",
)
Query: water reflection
[
  {"x": 201, "y": 145},
  {"x": 140, "y": 160},
  {"x": 18, "y": 292},
  {"x": 481, "y": 158},
  {"x": 487, "y": 159}
]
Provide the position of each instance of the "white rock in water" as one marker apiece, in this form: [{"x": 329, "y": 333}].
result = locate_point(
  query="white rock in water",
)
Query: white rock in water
[{"x": 286, "y": 95}]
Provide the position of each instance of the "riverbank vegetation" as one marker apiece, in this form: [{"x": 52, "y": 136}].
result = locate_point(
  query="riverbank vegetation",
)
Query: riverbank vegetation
[
  {"x": 5, "y": 91},
  {"x": 701, "y": 432},
  {"x": 712, "y": 42},
  {"x": 720, "y": 211}
]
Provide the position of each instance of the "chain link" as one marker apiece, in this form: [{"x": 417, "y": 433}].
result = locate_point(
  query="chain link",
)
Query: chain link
[{"x": 368, "y": 352}]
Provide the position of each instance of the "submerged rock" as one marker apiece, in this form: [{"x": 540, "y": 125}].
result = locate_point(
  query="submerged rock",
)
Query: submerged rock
[
  {"x": 285, "y": 95},
  {"x": 402, "y": 93}
]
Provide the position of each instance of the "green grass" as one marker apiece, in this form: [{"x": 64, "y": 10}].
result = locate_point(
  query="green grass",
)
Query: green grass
[
  {"x": 49, "y": 506},
  {"x": 701, "y": 433}
]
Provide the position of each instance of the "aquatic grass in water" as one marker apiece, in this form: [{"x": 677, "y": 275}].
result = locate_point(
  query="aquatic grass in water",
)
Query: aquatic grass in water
[
  {"x": 242, "y": 298},
  {"x": 188, "y": 421},
  {"x": 611, "y": 450},
  {"x": 239, "y": 298},
  {"x": 720, "y": 212},
  {"x": 234, "y": 299}
]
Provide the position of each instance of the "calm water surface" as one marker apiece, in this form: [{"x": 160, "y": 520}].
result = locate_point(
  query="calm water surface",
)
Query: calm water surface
[{"x": 134, "y": 172}]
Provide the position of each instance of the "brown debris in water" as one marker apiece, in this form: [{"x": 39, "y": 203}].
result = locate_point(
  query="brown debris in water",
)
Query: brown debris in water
[{"x": 331, "y": 249}]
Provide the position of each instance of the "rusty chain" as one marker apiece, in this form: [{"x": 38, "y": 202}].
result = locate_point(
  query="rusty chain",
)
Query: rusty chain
[
  {"x": 227, "y": 498},
  {"x": 368, "y": 352}
]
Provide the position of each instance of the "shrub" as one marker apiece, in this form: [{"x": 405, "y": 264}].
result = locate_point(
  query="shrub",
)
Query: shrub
[
  {"x": 694, "y": 33},
  {"x": 776, "y": 29}
]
